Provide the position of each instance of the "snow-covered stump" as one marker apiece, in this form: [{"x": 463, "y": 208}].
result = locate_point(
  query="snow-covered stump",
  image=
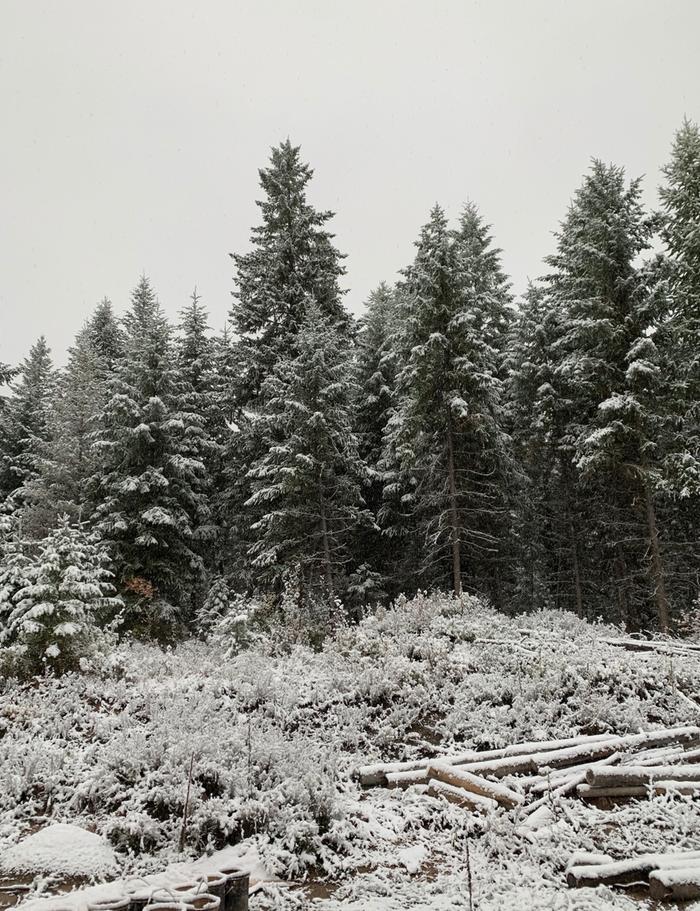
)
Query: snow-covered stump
[
  {"x": 237, "y": 889},
  {"x": 204, "y": 901}
]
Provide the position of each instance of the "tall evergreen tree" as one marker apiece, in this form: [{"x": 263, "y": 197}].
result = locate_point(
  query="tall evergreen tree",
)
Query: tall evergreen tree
[
  {"x": 606, "y": 363},
  {"x": 306, "y": 486},
  {"x": 293, "y": 267},
  {"x": 445, "y": 437},
  {"x": 68, "y": 459},
  {"x": 150, "y": 485},
  {"x": 24, "y": 423}
]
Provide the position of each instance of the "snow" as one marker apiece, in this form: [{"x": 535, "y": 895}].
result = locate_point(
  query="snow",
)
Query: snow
[
  {"x": 61, "y": 849},
  {"x": 277, "y": 730}
]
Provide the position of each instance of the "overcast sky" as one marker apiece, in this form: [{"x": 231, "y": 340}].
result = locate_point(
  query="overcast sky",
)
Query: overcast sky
[{"x": 132, "y": 132}]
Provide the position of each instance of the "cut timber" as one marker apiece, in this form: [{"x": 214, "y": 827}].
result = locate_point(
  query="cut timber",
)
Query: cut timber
[
  {"x": 499, "y": 768},
  {"x": 459, "y": 796},
  {"x": 631, "y": 870},
  {"x": 577, "y": 773},
  {"x": 588, "y": 792},
  {"x": 679, "y": 884},
  {"x": 406, "y": 779},
  {"x": 640, "y": 775},
  {"x": 687, "y": 788},
  {"x": 473, "y": 783}
]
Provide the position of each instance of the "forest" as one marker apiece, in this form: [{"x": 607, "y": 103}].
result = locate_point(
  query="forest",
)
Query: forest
[{"x": 304, "y": 466}]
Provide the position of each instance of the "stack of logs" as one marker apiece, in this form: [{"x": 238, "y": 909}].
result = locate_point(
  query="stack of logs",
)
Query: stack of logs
[
  {"x": 674, "y": 877},
  {"x": 530, "y": 776}
]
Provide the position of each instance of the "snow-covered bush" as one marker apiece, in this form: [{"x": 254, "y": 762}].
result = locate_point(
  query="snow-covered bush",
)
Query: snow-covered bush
[
  {"x": 54, "y": 601},
  {"x": 214, "y": 607}
]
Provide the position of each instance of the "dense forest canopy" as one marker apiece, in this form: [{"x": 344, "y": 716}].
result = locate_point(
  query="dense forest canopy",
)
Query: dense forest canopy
[{"x": 541, "y": 452}]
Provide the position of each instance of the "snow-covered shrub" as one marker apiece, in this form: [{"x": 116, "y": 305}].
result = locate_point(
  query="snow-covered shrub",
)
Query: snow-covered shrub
[
  {"x": 54, "y": 602},
  {"x": 238, "y": 627}
]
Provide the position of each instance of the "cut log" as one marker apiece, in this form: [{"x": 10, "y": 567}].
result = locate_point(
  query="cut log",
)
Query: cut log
[
  {"x": 557, "y": 777},
  {"x": 630, "y": 870},
  {"x": 459, "y": 796},
  {"x": 508, "y": 765},
  {"x": 588, "y": 792},
  {"x": 675, "y": 884},
  {"x": 588, "y": 859},
  {"x": 640, "y": 775},
  {"x": 634, "y": 869},
  {"x": 406, "y": 779},
  {"x": 687, "y": 788},
  {"x": 475, "y": 784}
]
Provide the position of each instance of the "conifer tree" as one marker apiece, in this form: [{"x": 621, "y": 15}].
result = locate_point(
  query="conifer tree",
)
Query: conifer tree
[
  {"x": 24, "y": 422},
  {"x": 606, "y": 363},
  {"x": 306, "y": 485},
  {"x": 150, "y": 487},
  {"x": 376, "y": 377},
  {"x": 68, "y": 459},
  {"x": 53, "y": 612},
  {"x": 445, "y": 436},
  {"x": 293, "y": 265},
  {"x": 680, "y": 197}
]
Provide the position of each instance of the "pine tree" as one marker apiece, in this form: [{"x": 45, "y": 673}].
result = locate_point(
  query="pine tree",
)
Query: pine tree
[
  {"x": 151, "y": 484},
  {"x": 24, "y": 422},
  {"x": 306, "y": 485},
  {"x": 64, "y": 595}
]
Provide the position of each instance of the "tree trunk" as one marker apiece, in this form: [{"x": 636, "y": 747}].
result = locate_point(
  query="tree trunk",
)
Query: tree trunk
[
  {"x": 324, "y": 538},
  {"x": 454, "y": 516},
  {"x": 657, "y": 568},
  {"x": 573, "y": 540},
  {"x": 622, "y": 595}
]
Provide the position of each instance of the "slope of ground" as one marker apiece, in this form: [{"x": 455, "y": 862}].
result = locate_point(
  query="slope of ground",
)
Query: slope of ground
[{"x": 273, "y": 739}]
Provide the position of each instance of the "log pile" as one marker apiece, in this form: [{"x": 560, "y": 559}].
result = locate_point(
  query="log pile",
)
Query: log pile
[
  {"x": 528, "y": 778},
  {"x": 671, "y": 877},
  {"x": 528, "y": 775}
]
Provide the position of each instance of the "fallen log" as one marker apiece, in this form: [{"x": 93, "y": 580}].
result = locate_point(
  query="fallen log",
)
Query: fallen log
[
  {"x": 499, "y": 768},
  {"x": 630, "y": 870},
  {"x": 407, "y": 779},
  {"x": 474, "y": 784},
  {"x": 588, "y": 792},
  {"x": 675, "y": 884},
  {"x": 544, "y": 753},
  {"x": 470, "y": 801},
  {"x": 686, "y": 788},
  {"x": 624, "y": 776},
  {"x": 554, "y": 779}
]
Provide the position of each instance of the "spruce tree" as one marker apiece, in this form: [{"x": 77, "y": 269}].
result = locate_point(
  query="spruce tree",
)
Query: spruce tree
[
  {"x": 606, "y": 363},
  {"x": 306, "y": 499},
  {"x": 24, "y": 422},
  {"x": 54, "y": 610},
  {"x": 376, "y": 378},
  {"x": 151, "y": 482},
  {"x": 68, "y": 459},
  {"x": 445, "y": 438}
]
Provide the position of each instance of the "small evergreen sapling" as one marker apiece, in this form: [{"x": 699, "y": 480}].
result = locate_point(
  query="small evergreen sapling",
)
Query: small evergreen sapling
[{"x": 60, "y": 599}]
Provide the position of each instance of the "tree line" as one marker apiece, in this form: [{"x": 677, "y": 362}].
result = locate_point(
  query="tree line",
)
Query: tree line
[{"x": 542, "y": 452}]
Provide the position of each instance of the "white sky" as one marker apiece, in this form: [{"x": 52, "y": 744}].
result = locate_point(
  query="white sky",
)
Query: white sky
[{"x": 132, "y": 132}]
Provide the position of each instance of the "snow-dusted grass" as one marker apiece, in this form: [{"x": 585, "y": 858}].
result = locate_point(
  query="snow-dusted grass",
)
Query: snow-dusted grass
[{"x": 275, "y": 739}]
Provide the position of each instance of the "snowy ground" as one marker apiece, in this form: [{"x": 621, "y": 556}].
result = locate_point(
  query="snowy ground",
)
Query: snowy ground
[{"x": 275, "y": 739}]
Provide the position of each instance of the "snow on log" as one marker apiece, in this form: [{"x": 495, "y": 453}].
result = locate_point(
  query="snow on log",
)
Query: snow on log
[
  {"x": 687, "y": 788},
  {"x": 470, "y": 801},
  {"x": 675, "y": 884},
  {"x": 406, "y": 779},
  {"x": 640, "y": 775},
  {"x": 473, "y": 783},
  {"x": 508, "y": 765},
  {"x": 630, "y": 870}
]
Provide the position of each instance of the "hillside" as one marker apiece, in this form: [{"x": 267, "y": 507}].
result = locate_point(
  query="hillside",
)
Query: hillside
[{"x": 274, "y": 740}]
